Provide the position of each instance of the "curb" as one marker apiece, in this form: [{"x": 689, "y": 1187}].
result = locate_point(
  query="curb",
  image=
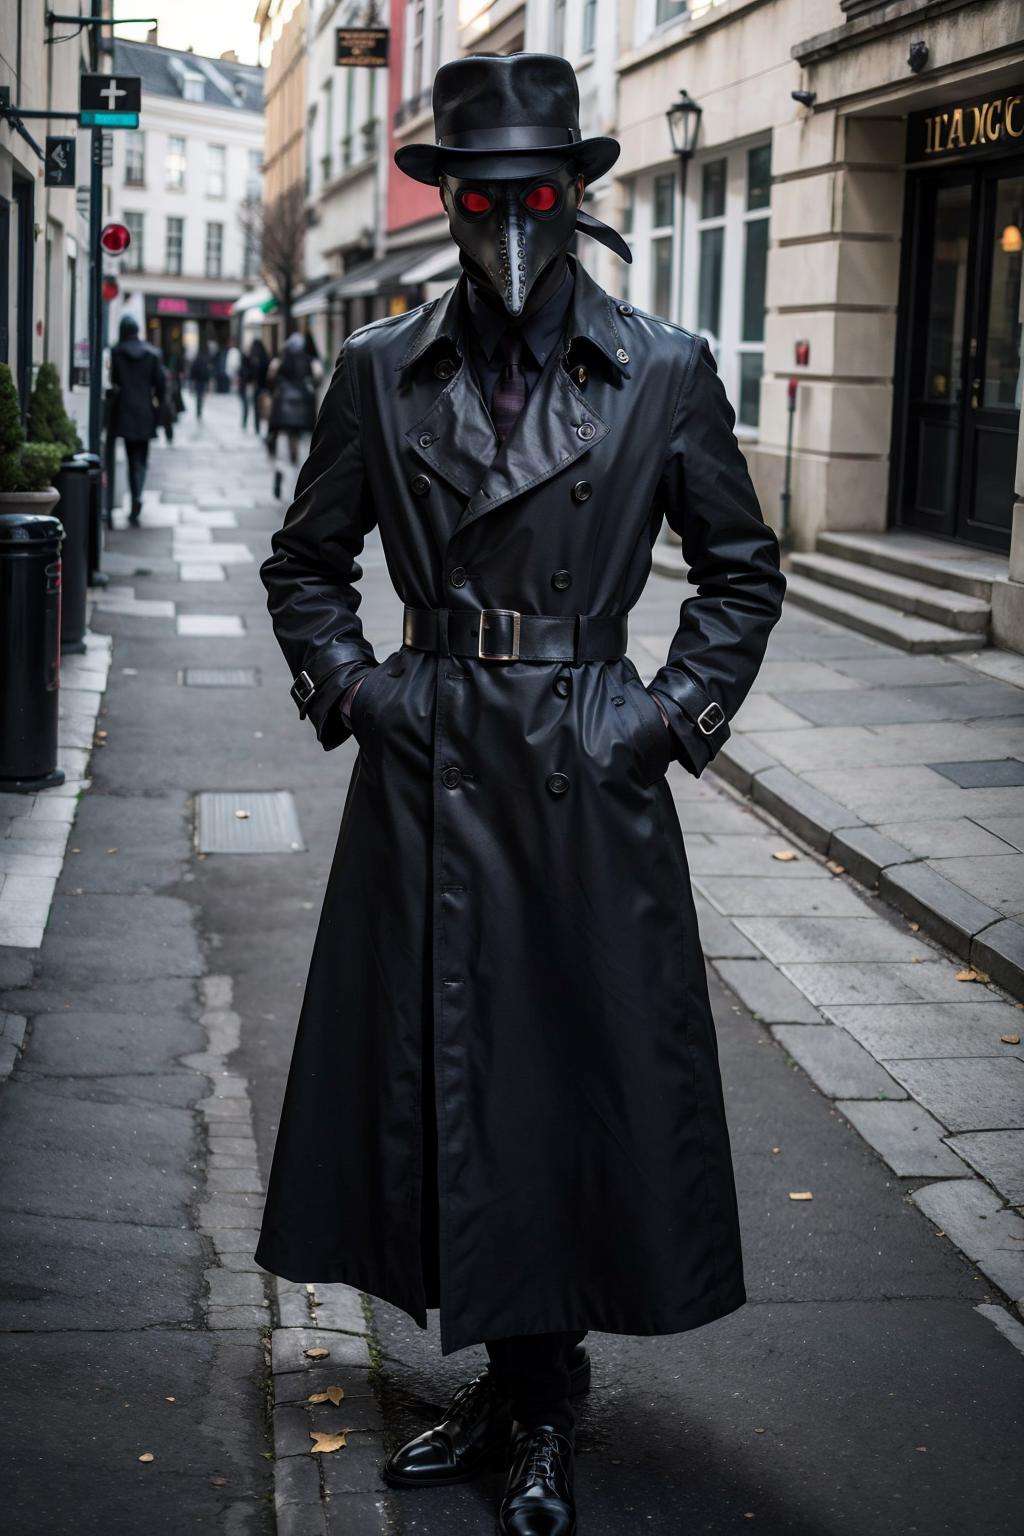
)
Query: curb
[
  {"x": 977, "y": 933},
  {"x": 322, "y": 1342}
]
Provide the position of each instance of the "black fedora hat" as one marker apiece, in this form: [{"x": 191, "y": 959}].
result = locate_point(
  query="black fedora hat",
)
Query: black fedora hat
[{"x": 503, "y": 117}]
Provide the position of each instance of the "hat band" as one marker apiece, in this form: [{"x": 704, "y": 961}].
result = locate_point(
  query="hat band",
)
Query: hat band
[{"x": 510, "y": 138}]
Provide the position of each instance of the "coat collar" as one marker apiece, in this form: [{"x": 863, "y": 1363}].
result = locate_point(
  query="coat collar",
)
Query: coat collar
[{"x": 591, "y": 324}]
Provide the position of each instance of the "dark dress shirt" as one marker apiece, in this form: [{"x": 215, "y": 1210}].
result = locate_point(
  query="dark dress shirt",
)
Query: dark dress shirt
[{"x": 541, "y": 333}]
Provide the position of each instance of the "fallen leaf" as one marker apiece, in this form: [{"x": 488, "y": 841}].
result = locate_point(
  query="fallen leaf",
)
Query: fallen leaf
[
  {"x": 170, "y": 1399},
  {"x": 242, "y": 815},
  {"x": 319, "y": 1353},
  {"x": 916, "y": 959},
  {"x": 147, "y": 1456},
  {"x": 837, "y": 869},
  {"x": 971, "y": 975},
  {"x": 914, "y": 927},
  {"x": 101, "y": 733},
  {"x": 920, "y": 1447},
  {"x": 1010, "y": 1039},
  {"x": 111, "y": 850},
  {"x": 331, "y": 1395},
  {"x": 759, "y": 1431},
  {"x": 776, "y": 1149},
  {"x": 785, "y": 855},
  {"x": 325, "y": 1444},
  {"x": 218, "y": 1482},
  {"x": 801, "y": 1194}
]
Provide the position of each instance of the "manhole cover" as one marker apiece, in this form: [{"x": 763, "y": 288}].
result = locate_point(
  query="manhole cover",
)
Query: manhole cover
[
  {"x": 994, "y": 773},
  {"x": 247, "y": 821},
  {"x": 220, "y": 677}
]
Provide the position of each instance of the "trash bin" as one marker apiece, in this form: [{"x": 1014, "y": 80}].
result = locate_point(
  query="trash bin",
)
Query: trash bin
[
  {"x": 96, "y": 577},
  {"x": 72, "y": 481},
  {"x": 29, "y": 651}
]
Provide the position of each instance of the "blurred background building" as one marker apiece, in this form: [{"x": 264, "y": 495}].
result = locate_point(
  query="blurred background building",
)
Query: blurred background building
[{"x": 180, "y": 183}]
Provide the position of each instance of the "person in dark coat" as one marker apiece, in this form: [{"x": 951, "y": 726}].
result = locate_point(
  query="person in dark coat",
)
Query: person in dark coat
[
  {"x": 293, "y": 377},
  {"x": 199, "y": 374},
  {"x": 504, "y": 1098},
  {"x": 259, "y": 365},
  {"x": 139, "y": 394}
]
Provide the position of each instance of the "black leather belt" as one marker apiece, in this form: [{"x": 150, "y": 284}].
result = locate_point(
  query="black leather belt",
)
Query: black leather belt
[{"x": 502, "y": 634}]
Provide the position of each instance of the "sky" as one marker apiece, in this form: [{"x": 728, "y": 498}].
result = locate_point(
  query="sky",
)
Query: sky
[{"x": 208, "y": 26}]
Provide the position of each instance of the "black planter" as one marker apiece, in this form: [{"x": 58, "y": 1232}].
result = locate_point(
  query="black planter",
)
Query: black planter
[
  {"x": 29, "y": 650},
  {"x": 72, "y": 481}
]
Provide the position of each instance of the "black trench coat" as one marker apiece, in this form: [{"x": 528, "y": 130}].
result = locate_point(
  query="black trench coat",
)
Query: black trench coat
[{"x": 510, "y": 891}]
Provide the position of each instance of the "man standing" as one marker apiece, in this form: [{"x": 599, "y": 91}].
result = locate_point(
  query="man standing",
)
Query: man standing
[
  {"x": 138, "y": 387},
  {"x": 504, "y": 1099}
]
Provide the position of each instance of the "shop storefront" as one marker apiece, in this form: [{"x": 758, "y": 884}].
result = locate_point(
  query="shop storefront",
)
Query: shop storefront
[
  {"x": 958, "y": 384},
  {"x": 178, "y": 325}
]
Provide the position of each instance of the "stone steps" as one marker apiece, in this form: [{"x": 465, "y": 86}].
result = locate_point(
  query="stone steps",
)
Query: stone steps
[
  {"x": 940, "y": 605},
  {"x": 935, "y": 562},
  {"x": 877, "y": 619}
]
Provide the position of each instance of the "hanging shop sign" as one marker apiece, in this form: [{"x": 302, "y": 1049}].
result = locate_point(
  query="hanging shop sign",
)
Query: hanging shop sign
[
  {"x": 109, "y": 101},
  {"x": 59, "y": 165},
  {"x": 992, "y": 124},
  {"x": 361, "y": 47}
]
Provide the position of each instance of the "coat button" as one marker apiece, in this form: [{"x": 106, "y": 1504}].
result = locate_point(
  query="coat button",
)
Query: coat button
[
  {"x": 451, "y": 778},
  {"x": 622, "y": 355},
  {"x": 444, "y": 368},
  {"x": 419, "y": 485},
  {"x": 561, "y": 581},
  {"x": 558, "y": 784},
  {"x": 458, "y": 577},
  {"x": 562, "y": 686},
  {"x": 625, "y": 309},
  {"x": 426, "y": 438},
  {"x": 581, "y": 490},
  {"x": 586, "y": 430}
]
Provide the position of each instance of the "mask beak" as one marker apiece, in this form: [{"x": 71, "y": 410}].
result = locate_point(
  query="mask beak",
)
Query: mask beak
[{"x": 513, "y": 256}]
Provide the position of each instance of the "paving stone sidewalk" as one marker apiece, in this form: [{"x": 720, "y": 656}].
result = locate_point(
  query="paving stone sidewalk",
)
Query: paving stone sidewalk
[{"x": 908, "y": 770}]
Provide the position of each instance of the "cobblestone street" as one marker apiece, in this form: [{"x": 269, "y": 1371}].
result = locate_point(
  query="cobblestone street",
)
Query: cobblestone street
[{"x": 874, "y": 1083}]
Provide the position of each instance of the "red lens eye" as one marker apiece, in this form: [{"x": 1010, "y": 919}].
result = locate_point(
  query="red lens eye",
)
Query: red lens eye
[
  {"x": 475, "y": 202},
  {"x": 542, "y": 199}
]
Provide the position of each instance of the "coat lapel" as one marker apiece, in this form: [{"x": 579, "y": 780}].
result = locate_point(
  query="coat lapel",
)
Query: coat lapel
[
  {"x": 557, "y": 427},
  {"x": 455, "y": 436}
]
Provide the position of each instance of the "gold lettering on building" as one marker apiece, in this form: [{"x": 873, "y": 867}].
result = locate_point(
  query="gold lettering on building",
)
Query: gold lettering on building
[{"x": 967, "y": 127}]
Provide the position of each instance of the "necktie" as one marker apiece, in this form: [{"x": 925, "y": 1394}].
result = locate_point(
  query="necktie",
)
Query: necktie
[{"x": 509, "y": 395}]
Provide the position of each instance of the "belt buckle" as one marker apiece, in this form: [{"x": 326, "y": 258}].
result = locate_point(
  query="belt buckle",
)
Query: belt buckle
[
  {"x": 505, "y": 613},
  {"x": 710, "y": 718}
]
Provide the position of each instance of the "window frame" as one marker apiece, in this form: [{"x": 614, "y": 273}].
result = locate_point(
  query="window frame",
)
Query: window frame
[
  {"x": 134, "y": 258},
  {"x": 172, "y": 183},
  {"x": 216, "y": 246},
  {"x": 173, "y": 269},
  {"x": 135, "y": 140},
  {"x": 217, "y": 187}
]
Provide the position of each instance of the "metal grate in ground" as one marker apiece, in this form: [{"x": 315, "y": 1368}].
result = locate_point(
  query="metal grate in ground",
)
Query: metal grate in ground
[{"x": 247, "y": 821}]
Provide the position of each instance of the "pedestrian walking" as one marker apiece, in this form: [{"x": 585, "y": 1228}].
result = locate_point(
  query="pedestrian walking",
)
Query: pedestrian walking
[
  {"x": 244, "y": 380},
  {"x": 138, "y": 395},
  {"x": 200, "y": 373},
  {"x": 259, "y": 365},
  {"x": 507, "y": 1008},
  {"x": 293, "y": 377}
]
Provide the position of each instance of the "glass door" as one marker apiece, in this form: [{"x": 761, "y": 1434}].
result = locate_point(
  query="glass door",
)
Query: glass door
[{"x": 957, "y": 440}]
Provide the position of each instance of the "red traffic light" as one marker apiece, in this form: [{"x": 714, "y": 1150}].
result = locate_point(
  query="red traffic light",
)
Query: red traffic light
[
  {"x": 110, "y": 289},
  {"x": 115, "y": 239}
]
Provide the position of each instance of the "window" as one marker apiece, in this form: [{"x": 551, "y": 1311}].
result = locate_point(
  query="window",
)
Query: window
[
  {"x": 175, "y": 164},
  {"x": 424, "y": 47},
  {"x": 588, "y": 27},
  {"x": 250, "y": 255},
  {"x": 725, "y": 267},
  {"x": 135, "y": 158},
  {"x": 254, "y": 175},
  {"x": 327, "y": 113},
  {"x": 668, "y": 10},
  {"x": 135, "y": 223},
  {"x": 438, "y": 53},
  {"x": 663, "y": 206},
  {"x": 216, "y": 170},
  {"x": 174, "y": 245},
  {"x": 347, "y": 142},
  {"x": 214, "y": 251},
  {"x": 416, "y": 22},
  {"x": 558, "y": 27}
]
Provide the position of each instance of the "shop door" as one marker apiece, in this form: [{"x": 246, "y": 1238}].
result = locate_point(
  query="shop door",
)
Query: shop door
[{"x": 962, "y": 393}]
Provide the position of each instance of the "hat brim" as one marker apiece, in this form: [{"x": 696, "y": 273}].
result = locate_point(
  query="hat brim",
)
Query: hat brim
[{"x": 428, "y": 162}]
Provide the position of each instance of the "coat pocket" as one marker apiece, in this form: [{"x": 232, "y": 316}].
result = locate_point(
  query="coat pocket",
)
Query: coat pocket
[{"x": 652, "y": 742}]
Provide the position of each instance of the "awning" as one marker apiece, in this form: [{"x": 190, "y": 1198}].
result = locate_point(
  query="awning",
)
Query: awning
[
  {"x": 406, "y": 267},
  {"x": 256, "y": 298}
]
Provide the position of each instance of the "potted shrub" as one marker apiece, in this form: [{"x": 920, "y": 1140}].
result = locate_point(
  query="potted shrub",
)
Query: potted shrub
[
  {"x": 48, "y": 421},
  {"x": 26, "y": 469}
]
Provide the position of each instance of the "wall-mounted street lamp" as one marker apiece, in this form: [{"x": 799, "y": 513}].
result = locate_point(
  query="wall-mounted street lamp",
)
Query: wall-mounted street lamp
[{"x": 683, "y": 118}]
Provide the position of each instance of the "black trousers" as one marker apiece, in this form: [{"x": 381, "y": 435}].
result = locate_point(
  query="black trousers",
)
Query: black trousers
[
  {"x": 137, "y": 452},
  {"x": 533, "y": 1370}
]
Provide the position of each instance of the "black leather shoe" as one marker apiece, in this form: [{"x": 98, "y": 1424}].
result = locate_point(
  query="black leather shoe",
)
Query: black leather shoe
[
  {"x": 474, "y": 1433},
  {"x": 539, "y": 1499}
]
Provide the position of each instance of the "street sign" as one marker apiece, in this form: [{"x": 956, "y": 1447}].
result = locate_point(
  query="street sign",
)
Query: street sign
[
  {"x": 115, "y": 239},
  {"x": 60, "y": 161},
  {"x": 361, "y": 47},
  {"x": 110, "y": 101}
]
